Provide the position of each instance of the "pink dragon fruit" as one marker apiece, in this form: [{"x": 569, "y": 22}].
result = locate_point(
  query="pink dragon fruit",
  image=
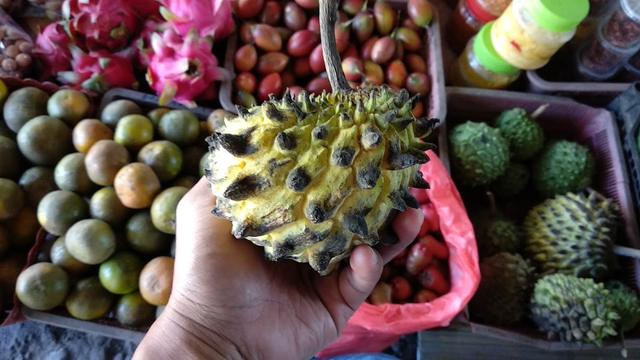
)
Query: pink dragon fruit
[
  {"x": 207, "y": 17},
  {"x": 52, "y": 49},
  {"x": 101, "y": 24},
  {"x": 98, "y": 71},
  {"x": 146, "y": 8},
  {"x": 182, "y": 69},
  {"x": 142, "y": 44}
]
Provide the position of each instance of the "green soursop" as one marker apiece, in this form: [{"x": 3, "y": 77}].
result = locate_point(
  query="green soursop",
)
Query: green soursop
[
  {"x": 479, "y": 153},
  {"x": 572, "y": 234},
  {"x": 626, "y": 303},
  {"x": 497, "y": 234},
  {"x": 563, "y": 167},
  {"x": 514, "y": 180},
  {"x": 573, "y": 309},
  {"x": 504, "y": 291},
  {"x": 524, "y": 135}
]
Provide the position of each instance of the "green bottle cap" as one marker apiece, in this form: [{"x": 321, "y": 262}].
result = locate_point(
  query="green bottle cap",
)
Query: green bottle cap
[
  {"x": 558, "y": 15},
  {"x": 487, "y": 54}
]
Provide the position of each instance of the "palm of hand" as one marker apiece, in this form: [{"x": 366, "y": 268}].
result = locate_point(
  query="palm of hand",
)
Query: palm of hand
[{"x": 225, "y": 283}]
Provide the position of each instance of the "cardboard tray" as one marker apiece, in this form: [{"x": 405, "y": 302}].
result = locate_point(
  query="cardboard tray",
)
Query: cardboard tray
[
  {"x": 588, "y": 92},
  {"x": 436, "y": 104},
  {"x": 568, "y": 119},
  {"x": 105, "y": 327}
]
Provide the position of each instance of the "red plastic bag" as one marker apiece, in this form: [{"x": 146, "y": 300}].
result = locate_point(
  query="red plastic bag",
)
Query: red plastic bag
[{"x": 373, "y": 328}]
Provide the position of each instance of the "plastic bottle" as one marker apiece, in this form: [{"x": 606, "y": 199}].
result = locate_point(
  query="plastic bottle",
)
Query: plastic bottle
[
  {"x": 622, "y": 28},
  {"x": 469, "y": 16},
  {"x": 530, "y": 32},
  {"x": 481, "y": 66}
]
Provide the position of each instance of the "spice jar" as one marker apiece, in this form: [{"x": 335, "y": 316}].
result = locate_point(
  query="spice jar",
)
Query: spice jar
[
  {"x": 599, "y": 60},
  {"x": 480, "y": 65},
  {"x": 597, "y": 9},
  {"x": 469, "y": 16},
  {"x": 530, "y": 32},
  {"x": 622, "y": 29}
]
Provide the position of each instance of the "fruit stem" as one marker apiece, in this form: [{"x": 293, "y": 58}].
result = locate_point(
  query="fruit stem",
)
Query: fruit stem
[
  {"x": 539, "y": 111},
  {"x": 328, "y": 18}
]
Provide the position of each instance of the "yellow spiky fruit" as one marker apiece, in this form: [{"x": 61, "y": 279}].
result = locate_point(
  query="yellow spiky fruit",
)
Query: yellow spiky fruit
[{"x": 311, "y": 178}]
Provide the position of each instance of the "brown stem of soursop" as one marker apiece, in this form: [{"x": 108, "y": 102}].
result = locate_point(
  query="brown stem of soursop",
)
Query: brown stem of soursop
[{"x": 333, "y": 64}]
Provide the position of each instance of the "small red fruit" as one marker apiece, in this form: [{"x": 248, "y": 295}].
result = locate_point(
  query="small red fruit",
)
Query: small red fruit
[
  {"x": 314, "y": 25},
  {"x": 418, "y": 110},
  {"x": 416, "y": 63},
  {"x": 373, "y": 73},
  {"x": 246, "y": 58},
  {"x": 302, "y": 68},
  {"x": 272, "y": 13},
  {"x": 246, "y": 9},
  {"x": 431, "y": 222},
  {"x": 381, "y": 294},
  {"x": 396, "y": 73},
  {"x": 438, "y": 249},
  {"x": 270, "y": 85},
  {"x": 424, "y": 296},
  {"x": 400, "y": 289},
  {"x": 266, "y": 37},
  {"x": 308, "y": 4},
  {"x": 367, "y": 48},
  {"x": 383, "y": 50},
  {"x": 352, "y": 68},
  {"x": 420, "y": 11},
  {"x": 246, "y": 82},
  {"x": 319, "y": 85},
  {"x": 418, "y": 259},
  {"x": 433, "y": 279},
  {"x": 302, "y": 42},
  {"x": 418, "y": 83},
  {"x": 295, "y": 91},
  {"x": 316, "y": 60}
]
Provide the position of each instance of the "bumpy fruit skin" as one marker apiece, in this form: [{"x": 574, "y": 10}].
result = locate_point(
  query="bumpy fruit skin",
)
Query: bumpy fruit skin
[
  {"x": 504, "y": 291},
  {"x": 524, "y": 135},
  {"x": 573, "y": 309},
  {"x": 627, "y": 304},
  {"x": 311, "y": 178},
  {"x": 497, "y": 234},
  {"x": 514, "y": 180},
  {"x": 563, "y": 167},
  {"x": 479, "y": 153},
  {"x": 572, "y": 234}
]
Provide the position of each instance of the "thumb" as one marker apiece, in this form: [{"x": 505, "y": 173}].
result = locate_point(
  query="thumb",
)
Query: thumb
[{"x": 357, "y": 280}]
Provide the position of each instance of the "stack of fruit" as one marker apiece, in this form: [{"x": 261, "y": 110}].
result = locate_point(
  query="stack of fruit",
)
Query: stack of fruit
[
  {"x": 110, "y": 206},
  {"x": 280, "y": 48},
  {"x": 557, "y": 267},
  {"x": 420, "y": 273}
]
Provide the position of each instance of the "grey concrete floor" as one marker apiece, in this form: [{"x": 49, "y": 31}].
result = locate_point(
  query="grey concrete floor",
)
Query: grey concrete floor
[{"x": 32, "y": 340}]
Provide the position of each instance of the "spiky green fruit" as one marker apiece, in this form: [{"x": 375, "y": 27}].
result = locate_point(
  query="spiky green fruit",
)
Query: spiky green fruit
[
  {"x": 563, "y": 167},
  {"x": 573, "y": 309},
  {"x": 572, "y": 234},
  {"x": 479, "y": 154},
  {"x": 311, "y": 178},
  {"x": 504, "y": 290},
  {"x": 497, "y": 234},
  {"x": 514, "y": 180},
  {"x": 627, "y": 304},
  {"x": 524, "y": 135}
]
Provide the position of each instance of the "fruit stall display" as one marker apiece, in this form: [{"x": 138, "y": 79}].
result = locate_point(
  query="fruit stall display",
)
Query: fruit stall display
[
  {"x": 277, "y": 47},
  {"x": 90, "y": 176},
  {"x": 547, "y": 225}
]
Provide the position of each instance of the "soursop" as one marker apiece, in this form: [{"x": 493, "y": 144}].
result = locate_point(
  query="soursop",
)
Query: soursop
[
  {"x": 504, "y": 290},
  {"x": 497, "y": 234},
  {"x": 524, "y": 135},
  {"x": 514, "y": 180},
  {"x": 573, "y": 309},
  {"x": 479, "y": 154},
  {"x": 626, "y": 303},
  {"x": 563, "y": 167},
  {"x": 572, "y": 234},
  {"x": 310, "y": 178}
]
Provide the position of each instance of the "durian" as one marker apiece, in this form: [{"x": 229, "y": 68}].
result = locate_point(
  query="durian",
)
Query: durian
[
  {"x": 504, "y": 290},
  {"x": 563, "y": 167},
  {"x": 497, "y": 234},
  {"x": 572, "y": 234},
  {"x": 312, "y": 177},
  {"x": 524, "y": 135},
  {"x": 573, "y": 309},
  {"x": 514, "y": 180},
  {"x": 626, "y": 303},
  {"x": 479, "y": 154}
]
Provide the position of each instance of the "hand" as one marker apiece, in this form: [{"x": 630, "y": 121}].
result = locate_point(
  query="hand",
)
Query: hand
[{"x": 229, "y": 301}]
